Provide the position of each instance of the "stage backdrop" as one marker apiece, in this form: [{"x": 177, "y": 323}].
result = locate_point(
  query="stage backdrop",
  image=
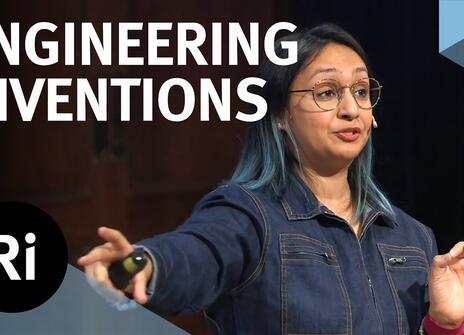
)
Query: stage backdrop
[{"x": 144, "y": 177}]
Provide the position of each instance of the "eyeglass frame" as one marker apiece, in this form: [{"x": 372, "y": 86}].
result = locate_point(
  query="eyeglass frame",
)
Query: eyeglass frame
[{"x": 340, "y": 97}]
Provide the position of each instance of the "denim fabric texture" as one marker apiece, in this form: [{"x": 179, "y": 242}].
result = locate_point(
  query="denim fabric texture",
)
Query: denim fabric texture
[{"x": 258, "y": 264}]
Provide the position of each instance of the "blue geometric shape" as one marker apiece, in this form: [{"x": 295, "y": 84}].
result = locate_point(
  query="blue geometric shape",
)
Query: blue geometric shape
[
  {"x": 77, "y": 309},
  {"x": 455, "y": 53},
  {"x": 451, "y": 30}
]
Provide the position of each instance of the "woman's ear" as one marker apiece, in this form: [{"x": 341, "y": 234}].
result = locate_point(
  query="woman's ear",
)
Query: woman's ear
[
  {"x": 282, "y": 122},
  {"x": 287, "y": 114}
]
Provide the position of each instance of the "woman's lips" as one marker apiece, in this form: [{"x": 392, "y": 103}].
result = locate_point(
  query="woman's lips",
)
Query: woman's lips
[{"x": 348, "y": 134}]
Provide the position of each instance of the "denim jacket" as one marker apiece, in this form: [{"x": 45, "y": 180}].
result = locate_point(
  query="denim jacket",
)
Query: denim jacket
[{"x": 258, "y": 264}]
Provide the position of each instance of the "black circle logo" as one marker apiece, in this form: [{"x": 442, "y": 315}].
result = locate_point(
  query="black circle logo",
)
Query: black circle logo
[{"x": 33, "y": 257}]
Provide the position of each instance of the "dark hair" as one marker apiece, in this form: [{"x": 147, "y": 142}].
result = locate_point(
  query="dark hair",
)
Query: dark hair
[
  {"x": 310, "y": 43},
  {"x": 266, "y": 158}
]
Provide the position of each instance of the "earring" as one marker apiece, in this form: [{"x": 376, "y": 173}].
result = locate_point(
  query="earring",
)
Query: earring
[{"x": 374, "y": 123}]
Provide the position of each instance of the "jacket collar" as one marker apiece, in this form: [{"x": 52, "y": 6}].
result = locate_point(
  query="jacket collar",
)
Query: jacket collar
[{"x": 300, "y": 203}]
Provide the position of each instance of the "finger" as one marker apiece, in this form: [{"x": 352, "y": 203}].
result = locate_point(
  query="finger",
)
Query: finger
[
  {"x": 97, "y": 273},
  {"x": 100, "y": 253},
  {"x": 116, "y": 238},
  {"x": 140, "y": 288},
  {"x": 129, "y": 288},
  {"x": 440, "y": 261},
  {"x": 90, "y": 270},
  {"x": 93, "y": 271},
  {"x": 101, "y": 275},
  {"x": 453, "y": 256},
  {"x": 457, "y": 251}
]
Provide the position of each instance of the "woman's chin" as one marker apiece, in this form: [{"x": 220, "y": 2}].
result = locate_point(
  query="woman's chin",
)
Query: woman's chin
[{"x": 348, "y": 155}]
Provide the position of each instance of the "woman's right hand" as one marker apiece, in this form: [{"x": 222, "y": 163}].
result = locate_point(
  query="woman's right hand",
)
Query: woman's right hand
[{"x": 117, "y": 247}]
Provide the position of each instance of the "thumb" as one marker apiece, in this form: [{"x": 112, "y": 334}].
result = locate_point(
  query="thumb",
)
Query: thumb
[
  {"x": 439, "y": 267},
  {"x": 141, "y": 281},
  {"x": 139, "y": 288}
]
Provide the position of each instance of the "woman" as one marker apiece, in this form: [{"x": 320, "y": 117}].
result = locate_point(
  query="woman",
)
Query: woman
[{"x": 301, "y": 240}]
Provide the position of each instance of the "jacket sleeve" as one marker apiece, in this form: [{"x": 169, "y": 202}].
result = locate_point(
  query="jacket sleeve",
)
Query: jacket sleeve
[{"x": 217, "y": 249}]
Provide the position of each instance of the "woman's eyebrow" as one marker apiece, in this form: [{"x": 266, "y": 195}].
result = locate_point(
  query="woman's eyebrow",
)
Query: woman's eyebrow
[
  {"x": 324, "y": 70},
  {"x": 360, "y": 69},
  {"x": 332, "y": 69}
]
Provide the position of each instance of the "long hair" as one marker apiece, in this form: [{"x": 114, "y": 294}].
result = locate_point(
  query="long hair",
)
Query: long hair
[{"x": 267, "y": 160}]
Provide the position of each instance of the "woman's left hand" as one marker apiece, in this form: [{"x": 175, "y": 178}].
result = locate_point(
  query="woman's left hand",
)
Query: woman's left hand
[{"x": 446, "y": 288}]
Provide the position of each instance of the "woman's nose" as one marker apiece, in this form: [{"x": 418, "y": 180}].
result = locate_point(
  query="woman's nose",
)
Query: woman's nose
[{"x": 348, "y": 107}]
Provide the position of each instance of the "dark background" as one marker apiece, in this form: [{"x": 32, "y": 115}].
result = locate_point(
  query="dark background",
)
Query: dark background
[{"x": 144, "y": 177}]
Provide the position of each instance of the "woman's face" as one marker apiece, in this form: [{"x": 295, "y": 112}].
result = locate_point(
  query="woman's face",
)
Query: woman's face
[{"x": 329, "y": 139}]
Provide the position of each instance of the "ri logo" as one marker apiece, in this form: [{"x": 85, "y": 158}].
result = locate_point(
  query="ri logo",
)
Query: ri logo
[
  {"x": 33, "y": 257},
  {"x": 6, "y": 259}
]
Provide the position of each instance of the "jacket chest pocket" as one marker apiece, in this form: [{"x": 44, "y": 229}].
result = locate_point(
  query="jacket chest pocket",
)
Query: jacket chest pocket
[
  {"x": 407, "y": 270},
  {"x": 314, "y": 299}
]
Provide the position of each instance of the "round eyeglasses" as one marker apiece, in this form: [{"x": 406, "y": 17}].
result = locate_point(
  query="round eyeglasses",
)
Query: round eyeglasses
[{"x": 328, "y": 93}]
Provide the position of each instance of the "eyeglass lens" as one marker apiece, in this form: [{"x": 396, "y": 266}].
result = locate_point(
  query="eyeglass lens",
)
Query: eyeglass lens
[{"x": 329, "y": 93}]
